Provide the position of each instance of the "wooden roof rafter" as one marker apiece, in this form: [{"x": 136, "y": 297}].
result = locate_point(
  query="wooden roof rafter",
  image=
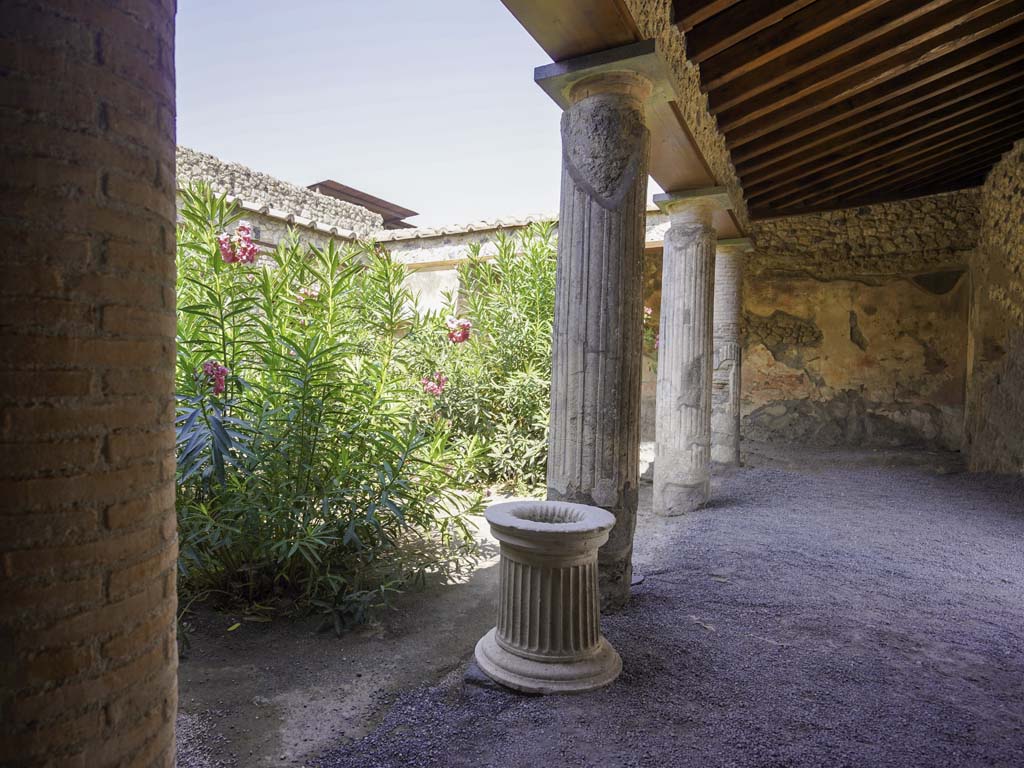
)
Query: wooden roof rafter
[{"x": 830, "y": 103}]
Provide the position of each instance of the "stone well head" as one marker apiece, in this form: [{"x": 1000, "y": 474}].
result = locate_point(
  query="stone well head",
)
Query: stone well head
[
  {"x": 550, "y": 527},
  {"x": 548, "y": 637}
]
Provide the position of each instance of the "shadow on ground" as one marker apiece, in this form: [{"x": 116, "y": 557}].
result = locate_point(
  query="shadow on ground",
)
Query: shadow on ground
[
  {"x": 276, "y": 694},
  {"x": 858, "y": 616}
]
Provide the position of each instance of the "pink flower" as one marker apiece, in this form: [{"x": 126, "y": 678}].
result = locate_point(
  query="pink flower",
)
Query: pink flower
[
  {"x": 647, "y": 314},
  {"x": 458, "y": 329},
  {"x": 311, "y": 294},
  {"x": 217, "y": 375},
  {"x": 657, "y": 340},
  {"x": 434, "y": 385},
  {"x": 239, "y": 247}
]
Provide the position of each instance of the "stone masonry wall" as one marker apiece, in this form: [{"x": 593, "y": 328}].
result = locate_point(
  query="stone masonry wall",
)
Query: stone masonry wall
[
  {"x": 995, "y": 402},
  {"x": 266, "y": 191},
  {"x": 88, "y": 546},
  {"x": 856, "y": 324},
  {"x": 904, "y": 237}
]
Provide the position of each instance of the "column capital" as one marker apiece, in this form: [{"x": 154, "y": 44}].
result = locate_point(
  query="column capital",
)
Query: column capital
[
  {"x": 635, "y": 70},
  {"x": 736, "y": 245},
  {"x": 693, "y": 206}
]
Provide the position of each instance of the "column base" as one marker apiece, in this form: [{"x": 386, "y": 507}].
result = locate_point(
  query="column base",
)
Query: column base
[
  {"x": 529, "y": 676},
  {"x": 672, "y": 498},
  {"x": 724, "y": 457}
]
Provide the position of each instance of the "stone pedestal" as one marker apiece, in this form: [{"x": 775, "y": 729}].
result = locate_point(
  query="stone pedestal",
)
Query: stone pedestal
[
  {"x": 726, "y": 376},
  {"x": 683, "y": 412},
  {"x": 548, "y": 636},
  {"x": 597, "y": 342}
]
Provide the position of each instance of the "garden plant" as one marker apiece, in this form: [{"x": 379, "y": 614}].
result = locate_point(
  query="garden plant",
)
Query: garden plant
[
  {"x": 486, "y": 360},
  {"x": 311, "y": 476}
]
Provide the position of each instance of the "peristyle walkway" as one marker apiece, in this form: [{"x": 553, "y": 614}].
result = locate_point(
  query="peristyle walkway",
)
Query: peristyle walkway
[{"x": 843, "y": 617}]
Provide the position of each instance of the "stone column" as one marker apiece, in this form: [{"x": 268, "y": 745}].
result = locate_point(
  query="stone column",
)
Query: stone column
[
  {"x": 726, "y": 377},
  {"x": 683, "y": 411},
  {"x": 597, "y": 342},
  {"x": 87, "y": 326}
]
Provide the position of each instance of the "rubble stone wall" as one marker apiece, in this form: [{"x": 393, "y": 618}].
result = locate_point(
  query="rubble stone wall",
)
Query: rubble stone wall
[
  {"x": 264, "y": 190},
  {"x": 995, "y": 391}
]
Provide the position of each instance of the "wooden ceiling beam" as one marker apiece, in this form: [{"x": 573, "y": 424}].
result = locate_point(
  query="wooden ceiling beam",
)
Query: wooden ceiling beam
[
  {"x": 903, "y": 136},
  {"x": 943, "y": 170},
  {"x": 935, "y": 74},
  {"x": 859, "y": 71},
  {"x": 735, "y": 24},
  {"x": 884, "y": 156},
  {"x": 904, "y": 189},
  {"x": 873, "y": 121},
  {"x": 907, "y": 167},
  {"x": 976, "y": 164},
  {"x": 863, "y": 111},
  {"x": 686, "y": 14},
  {"x": 566, "y": 29},
  {"x": 856, "y": 46},
  {"x": 752, "y": 97},
  {"x": 803, "y": 29},
  {"x": 912, "y": 162}
]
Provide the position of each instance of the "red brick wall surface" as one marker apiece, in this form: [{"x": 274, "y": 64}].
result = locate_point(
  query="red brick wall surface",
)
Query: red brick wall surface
[{"x": 87, "y": 526}]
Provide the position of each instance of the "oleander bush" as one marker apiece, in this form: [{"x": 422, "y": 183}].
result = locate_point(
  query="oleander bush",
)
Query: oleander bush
[
  {"x": 485, "y": 360},
  {"x": 311, "y": 474}
]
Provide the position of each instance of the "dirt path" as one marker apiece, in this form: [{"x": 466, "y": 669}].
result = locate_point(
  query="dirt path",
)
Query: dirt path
[
  {"x": 857, "y": 617},
  {"x": 279, "y": 693}
]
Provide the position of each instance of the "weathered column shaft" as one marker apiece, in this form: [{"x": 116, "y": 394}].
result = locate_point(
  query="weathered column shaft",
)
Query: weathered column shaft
[
  {"x": 596, "y": 350},
  {"x": 683, "y": 413},
  {"x": 726, "y": 378}
]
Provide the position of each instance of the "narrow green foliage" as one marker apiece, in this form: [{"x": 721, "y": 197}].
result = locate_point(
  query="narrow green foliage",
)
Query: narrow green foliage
[
  {"x": 314, "y": 481},
  {"x": 496, "y": 399}
]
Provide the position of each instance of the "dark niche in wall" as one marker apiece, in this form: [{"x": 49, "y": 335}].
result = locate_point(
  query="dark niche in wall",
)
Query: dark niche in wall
[{"x": 939, "y": 283}]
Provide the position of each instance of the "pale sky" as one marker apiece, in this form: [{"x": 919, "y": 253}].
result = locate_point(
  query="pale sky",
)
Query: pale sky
[{"x": 427, "y": 103}]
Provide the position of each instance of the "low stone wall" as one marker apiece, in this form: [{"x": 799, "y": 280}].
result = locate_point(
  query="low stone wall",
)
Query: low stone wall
[
  {"x": 274, "y": 199},
  {"x": 995, "y": 399}
]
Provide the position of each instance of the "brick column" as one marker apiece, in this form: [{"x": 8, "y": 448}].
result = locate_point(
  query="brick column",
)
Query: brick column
[{"x": 88, "y": 543}]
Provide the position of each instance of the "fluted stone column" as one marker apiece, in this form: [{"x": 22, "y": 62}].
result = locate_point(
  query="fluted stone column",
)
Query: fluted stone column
[
  {"x": 727, "y": 374},
  {"x": 597, "y": 343},
  {"x": 685, "y": 355}
]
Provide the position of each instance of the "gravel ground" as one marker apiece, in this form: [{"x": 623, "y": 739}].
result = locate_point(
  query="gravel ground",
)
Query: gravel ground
[{"x": 847, "y": 617}]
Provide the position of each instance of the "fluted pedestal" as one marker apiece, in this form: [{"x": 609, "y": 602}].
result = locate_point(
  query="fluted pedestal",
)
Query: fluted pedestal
[
  {"x": 548, "y": 635},
  {"x": 594, "y": 442},
  {"x": 726, "y": 376},
  {"x": 683, "y": 412}
]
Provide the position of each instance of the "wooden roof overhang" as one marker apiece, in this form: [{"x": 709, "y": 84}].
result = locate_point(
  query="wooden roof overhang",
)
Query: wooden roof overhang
[
  {"x": 569, "y": 30},
  {"x": 830, "y": 104},
  {"x": 392, "y": 213}
]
